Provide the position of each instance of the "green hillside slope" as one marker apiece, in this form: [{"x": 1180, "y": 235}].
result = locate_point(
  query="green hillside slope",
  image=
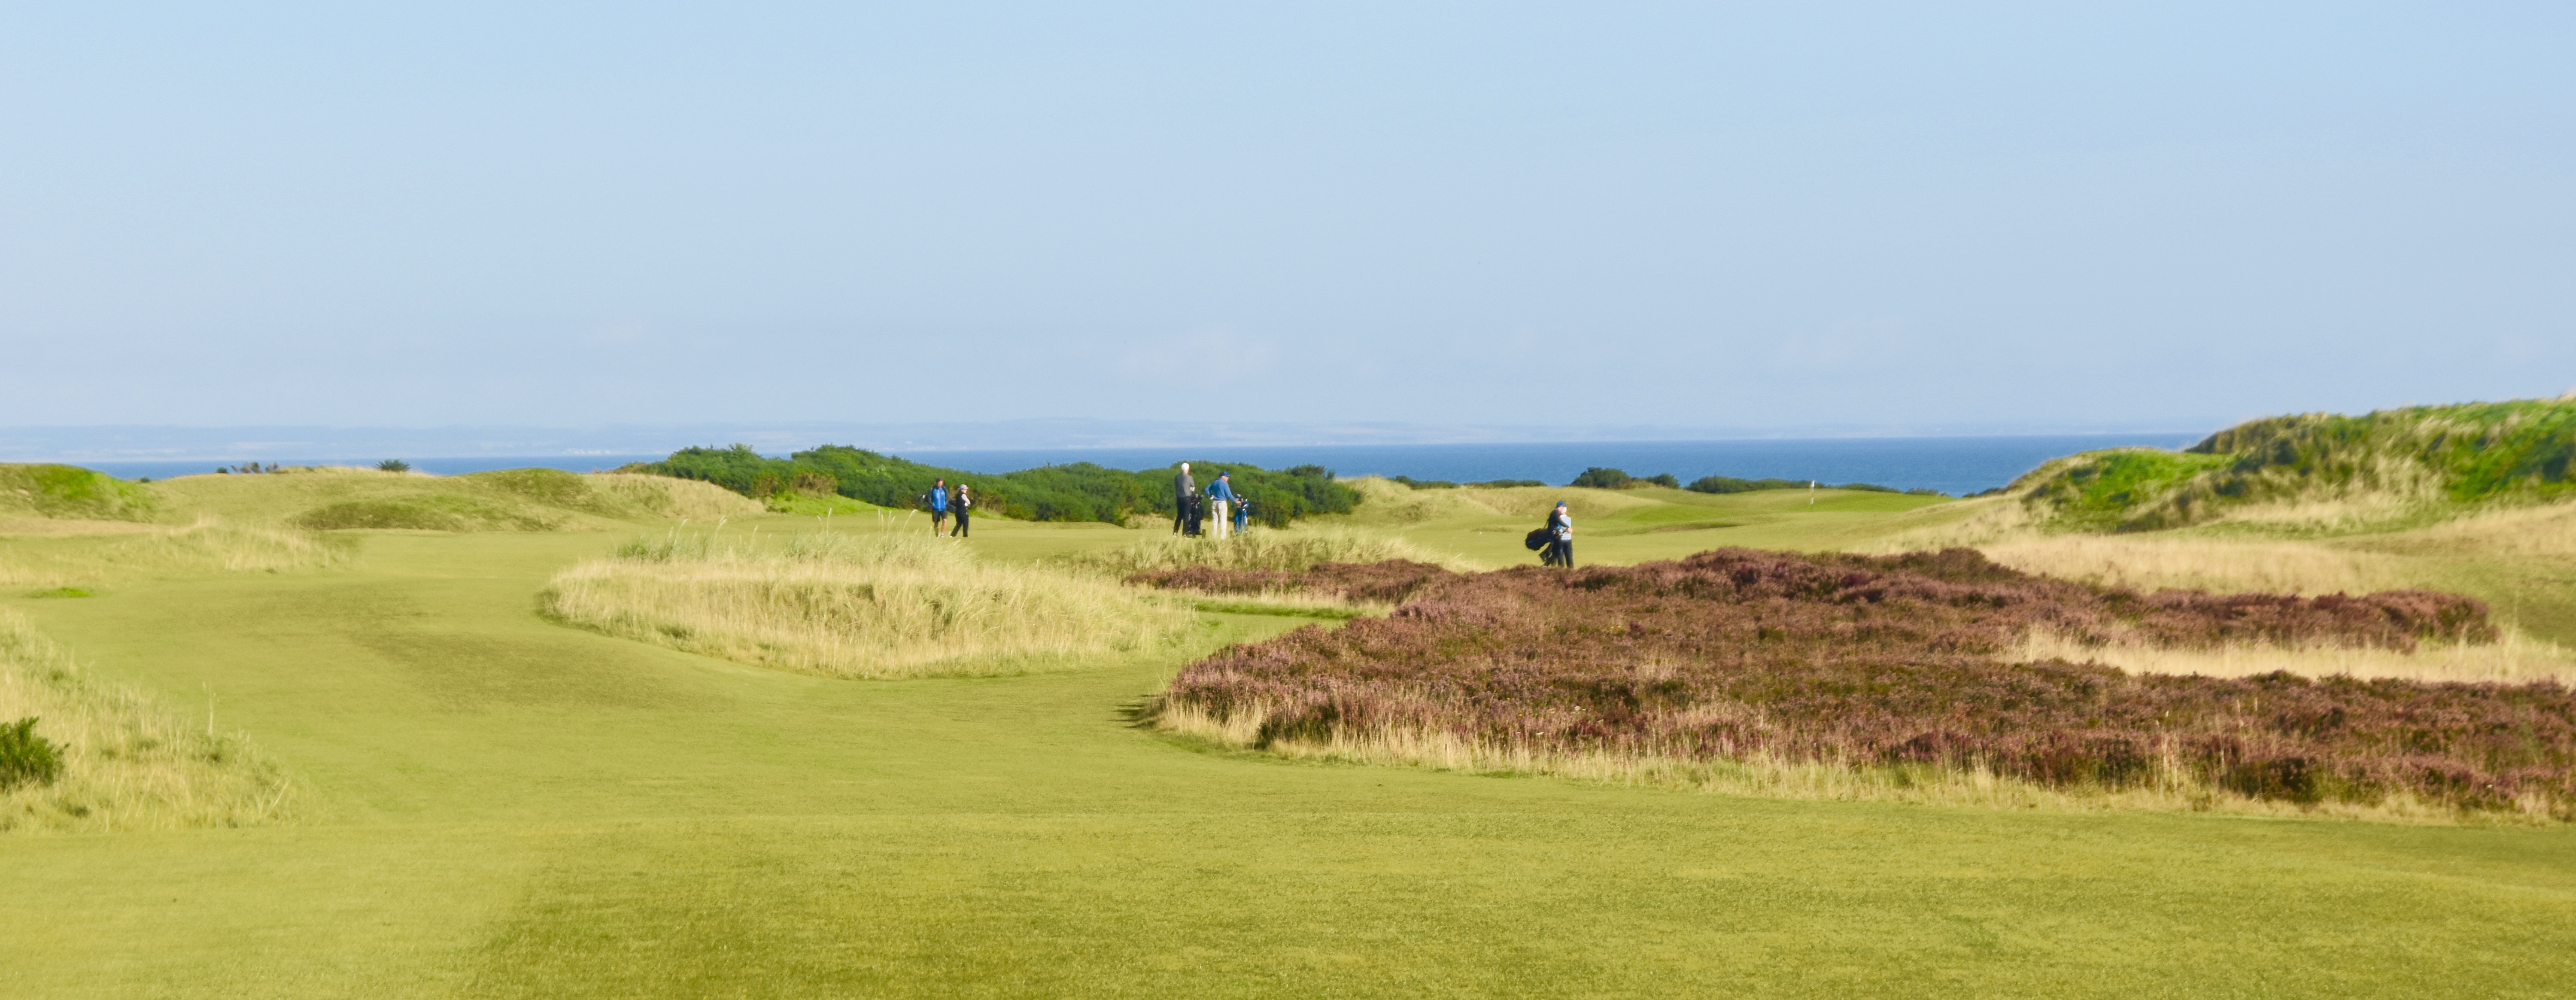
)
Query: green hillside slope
[
  {"x": 71, "y": 492},
  {"x": 2404, "y": 464}
]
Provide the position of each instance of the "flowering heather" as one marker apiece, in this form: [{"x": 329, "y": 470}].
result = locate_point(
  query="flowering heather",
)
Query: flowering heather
[{"x": 1854, "y": 660}]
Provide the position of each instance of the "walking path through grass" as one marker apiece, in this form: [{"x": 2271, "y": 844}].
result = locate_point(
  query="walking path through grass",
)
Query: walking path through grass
[{"x": 500, "y": 806}]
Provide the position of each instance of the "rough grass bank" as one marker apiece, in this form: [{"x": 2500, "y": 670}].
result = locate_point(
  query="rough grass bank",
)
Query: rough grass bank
[{"x": 84, "y": 754}]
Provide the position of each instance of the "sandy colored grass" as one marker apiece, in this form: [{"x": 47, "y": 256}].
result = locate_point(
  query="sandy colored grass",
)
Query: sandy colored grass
[
  {"x": 209, "y": 545},
  {"x": 129, "y": 762},
  {"x": 2169, "y": 789},
  {"x": 2514, "y": 659},
  {"x": 683, "y": 499},
  {"x": 877, "y": 605},
  {"x": 2155, "y": 563},
  {"x": 1290, "y": 550},
  {"x": 2528, "y": 532},
  {"x": 1387, "y": 502}
]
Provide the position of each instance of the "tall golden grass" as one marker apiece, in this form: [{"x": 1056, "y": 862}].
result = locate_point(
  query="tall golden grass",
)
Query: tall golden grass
[
  {"x": 209, "y": 545},
  {"x": 129, "y": 762},
  {"x": 1290, "y": 550},
  {"x": 2142, "y": 562},
  {"x": 2170, "y": 788},
  {"x": 2240, "y": 556},
  {"x": 882, "y": 605},
  {"x": 2516, "y": 659},
  {"x": 2529, "y": 532}
]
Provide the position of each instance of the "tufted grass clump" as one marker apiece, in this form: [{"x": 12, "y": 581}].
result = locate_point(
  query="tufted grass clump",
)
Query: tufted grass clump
[
  {"x": 875, "y": 605},
  {"x": 1288, "y": 551}
]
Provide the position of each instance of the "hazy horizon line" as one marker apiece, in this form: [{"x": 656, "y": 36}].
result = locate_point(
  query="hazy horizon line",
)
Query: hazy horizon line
[{"x": 148, "y": 442}]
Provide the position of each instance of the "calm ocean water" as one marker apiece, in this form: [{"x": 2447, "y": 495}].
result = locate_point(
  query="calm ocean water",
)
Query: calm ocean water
[{"x": 1953, "y": 465}]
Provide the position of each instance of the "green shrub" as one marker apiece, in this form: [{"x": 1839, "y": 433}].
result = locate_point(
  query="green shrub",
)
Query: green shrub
[
  {"x": 1600, "y": 478},
  {"x": 1613, "y": 479},
  {"x": 26, "y": 758},
  {"x": 394, "y": 465}
]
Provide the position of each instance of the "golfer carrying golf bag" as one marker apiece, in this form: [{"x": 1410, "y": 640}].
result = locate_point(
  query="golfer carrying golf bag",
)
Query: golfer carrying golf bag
[{"x": 1560, "y": 548}]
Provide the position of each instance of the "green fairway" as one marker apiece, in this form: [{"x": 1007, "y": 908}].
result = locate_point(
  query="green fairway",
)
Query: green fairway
[{"x": 503, "y": 806}]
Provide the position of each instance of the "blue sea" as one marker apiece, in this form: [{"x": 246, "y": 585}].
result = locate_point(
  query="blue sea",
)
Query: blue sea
[{"x": 1953, "y": 465}]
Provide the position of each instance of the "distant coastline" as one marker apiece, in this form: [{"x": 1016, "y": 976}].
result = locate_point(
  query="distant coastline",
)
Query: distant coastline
[{"x": 1953, "y": 465}]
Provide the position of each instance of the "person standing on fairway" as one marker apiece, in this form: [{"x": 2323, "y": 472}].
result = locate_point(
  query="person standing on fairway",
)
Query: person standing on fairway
[
  {"x": 1184, "y": 490},
  {"x": 1561, "y": 549},
  {"x": 964, "y": 501},
  {"x": 937, "y": 499},
  {"x": 1222, "y": 491}
]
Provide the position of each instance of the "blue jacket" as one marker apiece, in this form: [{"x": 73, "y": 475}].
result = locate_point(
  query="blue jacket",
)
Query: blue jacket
[
  {"x": 1219, "y": 490},
  {"x": 939, "y": 499}
]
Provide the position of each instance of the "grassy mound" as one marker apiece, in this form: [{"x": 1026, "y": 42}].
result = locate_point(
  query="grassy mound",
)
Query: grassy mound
[
  {"x": 120, "y": 761},
  {"x": 1259, "y": 550},
  {"x": 67, "y": 491},
  {"x": 891, "y": 605},
  {"x": 1898, "y": 670},
  {"x": 427, "y": 513},
  {"x": 331, "y": 499},
  {"x": 2391, "y": 465}
]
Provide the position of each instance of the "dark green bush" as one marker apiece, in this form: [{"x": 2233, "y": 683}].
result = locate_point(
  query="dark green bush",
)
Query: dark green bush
[
  {"x": 26, "y": 758},
  {"x": 1081, "y": 491},
  {"x": 1600, "y": 478},
  {"x": 394, "y": 465},
  {"x": 1613, "y": 479},
  {"x": 1730, "y": 484}
]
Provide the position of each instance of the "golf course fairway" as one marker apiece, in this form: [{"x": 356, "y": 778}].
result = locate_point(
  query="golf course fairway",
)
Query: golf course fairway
[{"x": 497, "y": 805}]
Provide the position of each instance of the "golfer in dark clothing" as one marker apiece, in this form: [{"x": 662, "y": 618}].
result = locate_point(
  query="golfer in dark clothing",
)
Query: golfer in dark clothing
[
  {"x": 1185, "y": 492},
  {"x": 1560, "y": 550},
  {"x": 962, "y": 502}
]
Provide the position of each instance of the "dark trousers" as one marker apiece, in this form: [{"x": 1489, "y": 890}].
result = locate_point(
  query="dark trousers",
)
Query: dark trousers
[
  {"x": 1561, "y": 552},
  {"x": 961, "y": 522}
]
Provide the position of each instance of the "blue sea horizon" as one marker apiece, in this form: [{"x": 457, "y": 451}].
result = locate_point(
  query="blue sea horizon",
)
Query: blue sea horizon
[{"x": 1952, "y": 465}]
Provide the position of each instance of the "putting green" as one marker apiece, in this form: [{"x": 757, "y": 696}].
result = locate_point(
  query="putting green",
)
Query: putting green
[{"x": 507, "y": 807}]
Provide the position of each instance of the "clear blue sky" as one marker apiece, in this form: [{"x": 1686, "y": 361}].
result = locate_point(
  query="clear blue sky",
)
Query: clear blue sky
[{"x": 1924, "y": 216}]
